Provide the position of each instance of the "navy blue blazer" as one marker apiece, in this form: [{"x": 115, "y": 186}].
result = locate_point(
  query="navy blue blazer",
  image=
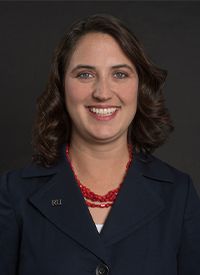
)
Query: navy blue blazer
[{"x": 46, "y": 228}]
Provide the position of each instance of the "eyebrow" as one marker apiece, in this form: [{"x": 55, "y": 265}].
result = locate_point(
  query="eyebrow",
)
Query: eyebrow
[
  {"x": 81, "y": 66},
  {"x": 122, "y": 66}
]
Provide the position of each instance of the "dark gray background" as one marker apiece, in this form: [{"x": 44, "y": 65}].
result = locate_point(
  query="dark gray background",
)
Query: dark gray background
[{"x": 29, "y": 33}]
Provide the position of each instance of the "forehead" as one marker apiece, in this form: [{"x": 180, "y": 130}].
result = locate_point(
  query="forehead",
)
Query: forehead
[{"x": 98, "y": 48}]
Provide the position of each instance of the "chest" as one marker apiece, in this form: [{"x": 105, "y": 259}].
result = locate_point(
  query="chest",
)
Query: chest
[
  {"x": 151, "y": 249},
  {"x": 99, "y": 215}
]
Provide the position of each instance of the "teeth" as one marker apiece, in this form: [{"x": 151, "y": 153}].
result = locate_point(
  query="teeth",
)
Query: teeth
[{"x": 103, "y": 112}]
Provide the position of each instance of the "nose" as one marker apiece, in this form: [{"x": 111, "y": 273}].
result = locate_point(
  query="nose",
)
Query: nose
[{"x": 102, "y": 90}]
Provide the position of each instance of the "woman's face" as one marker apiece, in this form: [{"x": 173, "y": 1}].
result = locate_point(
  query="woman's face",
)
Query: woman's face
[{"x": 101, "y": 87}]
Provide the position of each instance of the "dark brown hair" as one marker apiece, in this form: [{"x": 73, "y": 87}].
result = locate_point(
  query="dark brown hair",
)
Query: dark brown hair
[{"x": 151, "y": 125}]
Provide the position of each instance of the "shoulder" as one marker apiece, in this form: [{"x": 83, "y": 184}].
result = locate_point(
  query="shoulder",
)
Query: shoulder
[
  {"x": 31, "y": 177},
  {"x": 12, "y": 178},
  {"x": 173, "y": 186},
  {"x": 164, "y": 178},
  {"x": 18, "y": 183},
  {"x": 154, "y": 167}
]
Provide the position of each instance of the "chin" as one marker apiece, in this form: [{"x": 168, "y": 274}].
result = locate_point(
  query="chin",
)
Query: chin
[{"x": 104, "y": 137}]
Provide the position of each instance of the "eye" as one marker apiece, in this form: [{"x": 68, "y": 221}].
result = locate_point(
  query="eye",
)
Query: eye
[
  {"x": 84, "y": 75},
  {"x": 120, "y": 75}
]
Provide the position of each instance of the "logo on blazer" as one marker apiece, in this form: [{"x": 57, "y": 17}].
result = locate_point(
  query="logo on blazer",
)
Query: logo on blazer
[{"x": 56, "y": 202}]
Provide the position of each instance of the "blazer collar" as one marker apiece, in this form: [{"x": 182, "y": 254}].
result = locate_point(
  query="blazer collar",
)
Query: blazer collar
[
  {"x": 72, "y": 216},
  {"x": 153, "y": 168},
  {"x": 33, "y": 170}
]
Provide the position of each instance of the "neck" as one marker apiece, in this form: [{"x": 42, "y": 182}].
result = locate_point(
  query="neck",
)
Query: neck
[
  {"x": 84, "y": 152},
  {"x": 99, "y": 167}
]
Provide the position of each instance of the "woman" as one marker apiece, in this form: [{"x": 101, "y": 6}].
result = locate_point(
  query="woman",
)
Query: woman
[{"x": 94, "y": 200}]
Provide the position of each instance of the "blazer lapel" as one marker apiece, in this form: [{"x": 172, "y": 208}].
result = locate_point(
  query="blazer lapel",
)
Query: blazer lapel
[
  {"x": 61, "y": 202},
  {"x": 136, "y": 204}
]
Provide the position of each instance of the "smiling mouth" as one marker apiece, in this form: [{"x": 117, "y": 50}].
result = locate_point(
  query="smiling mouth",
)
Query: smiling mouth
[{"x": 103, "y": 111}]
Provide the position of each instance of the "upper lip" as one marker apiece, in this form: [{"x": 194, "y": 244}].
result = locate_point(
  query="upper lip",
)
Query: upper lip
[{"x": 103, "y": 106}]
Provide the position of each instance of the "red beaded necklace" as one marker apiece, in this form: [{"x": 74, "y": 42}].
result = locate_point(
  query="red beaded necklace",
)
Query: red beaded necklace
[{"x": 106, "y": 199}]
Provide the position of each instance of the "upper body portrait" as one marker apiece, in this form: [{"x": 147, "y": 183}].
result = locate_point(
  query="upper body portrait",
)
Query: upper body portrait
[{"x": 95, "y": 200}]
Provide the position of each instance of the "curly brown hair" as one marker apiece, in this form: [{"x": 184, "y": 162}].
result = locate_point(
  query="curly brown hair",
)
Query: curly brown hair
[{"x": 151, "y": 125}]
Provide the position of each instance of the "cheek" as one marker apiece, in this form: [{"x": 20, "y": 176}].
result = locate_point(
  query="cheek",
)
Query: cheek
[
  {"x": 72, "y": 94},
  {"x": 77, "y": 92},
  {"x": 130, "y": 95}
]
